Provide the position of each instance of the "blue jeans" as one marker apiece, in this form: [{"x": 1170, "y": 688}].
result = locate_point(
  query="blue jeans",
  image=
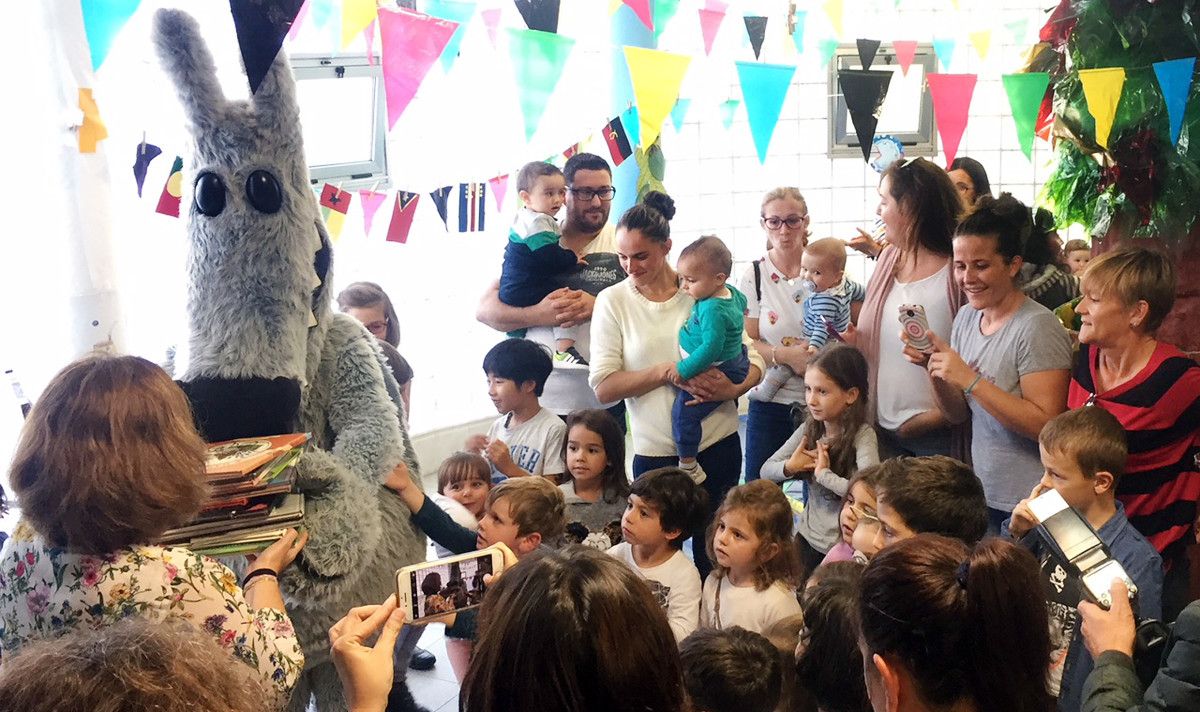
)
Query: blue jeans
[
  {"x": 722, "y": 462},
  {"x": 686, "y": 419},
  {"x": 768, "y": 427},
  {"x": 934, "y": 443}
]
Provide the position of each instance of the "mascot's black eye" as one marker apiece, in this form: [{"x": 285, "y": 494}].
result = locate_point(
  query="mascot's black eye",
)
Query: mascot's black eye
[
  {"x": 263, "y": 192},
  {"x": 210, "y": 194}
]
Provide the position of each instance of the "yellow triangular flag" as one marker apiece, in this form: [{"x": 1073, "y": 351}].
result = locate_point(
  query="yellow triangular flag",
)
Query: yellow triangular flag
[
  {"x": 835, "y": 10},
  {"x": 614, "y": 5},
  {"x": 982, "y": 41},
  {"x": 356, "y": 16},
  {"x": 92, "y": 130},
  {"x": 1102, "y": 89},
  {"x": 656, "y": 77}
]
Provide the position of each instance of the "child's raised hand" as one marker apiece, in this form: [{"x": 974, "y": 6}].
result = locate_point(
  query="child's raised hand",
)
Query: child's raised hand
[
  {"x": 498, "y": 453},
  {"x": 399, "y": 479},
  {"x": 821, "y": 461},
  {"x": 476, "y": 444},
  {"x": 1022, "y": 520},
  {"x": 801, "y": 461}
]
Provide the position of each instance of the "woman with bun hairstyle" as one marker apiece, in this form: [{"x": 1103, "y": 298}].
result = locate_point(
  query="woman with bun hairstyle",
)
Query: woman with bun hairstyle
[
  {"x": 635, "y": 344},
  {"x": 944, "y": 627},
  {"x": 1006, "y": 366}
]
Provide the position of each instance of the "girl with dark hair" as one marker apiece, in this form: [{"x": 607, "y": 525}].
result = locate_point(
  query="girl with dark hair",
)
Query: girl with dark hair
[
  {"x": 944, "y": 627},
  {"x": 1007, "y": 364},
  {"x": 635, "y": 344},
  {"x": 596, "y": 488},
  {"x": 1043, "y": 277},
  {"x": 920, "y": 208}
]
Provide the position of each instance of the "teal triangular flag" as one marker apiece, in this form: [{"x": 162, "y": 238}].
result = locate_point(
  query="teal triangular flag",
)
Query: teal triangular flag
[
  {"x": 1175, "y": 80},
  {"x": 455, "y": 11},
  {"x": 764, "y": 87},
  {"x": 664, "y": 10},
  {"x": 102, "y": 20},
  {"x": 798, "y": 33},
  {"x": 537, "y": 61},
  {"x": 633, "y": 126},
  {"x": 1018, "y": 28},
  {"x": 826, "y": 48},
  {"x": 944, "y": 49},
  {"x": 728, "y": 110},
  {"x": 679, "y": 111}
]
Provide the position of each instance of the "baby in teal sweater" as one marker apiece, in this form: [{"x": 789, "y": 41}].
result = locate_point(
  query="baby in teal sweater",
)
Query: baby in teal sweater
[{"x": 711, "y": 337}]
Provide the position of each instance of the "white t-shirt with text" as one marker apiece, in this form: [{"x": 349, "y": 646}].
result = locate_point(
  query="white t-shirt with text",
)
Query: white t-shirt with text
[{"x": 535, "y": 445}]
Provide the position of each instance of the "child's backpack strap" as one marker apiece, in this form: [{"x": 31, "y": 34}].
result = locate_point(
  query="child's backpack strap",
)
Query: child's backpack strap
[{"x": 758, "y": 280}]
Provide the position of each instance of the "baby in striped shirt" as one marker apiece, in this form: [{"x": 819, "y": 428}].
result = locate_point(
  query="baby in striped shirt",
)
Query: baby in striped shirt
[{"x": 827, "y": 308}]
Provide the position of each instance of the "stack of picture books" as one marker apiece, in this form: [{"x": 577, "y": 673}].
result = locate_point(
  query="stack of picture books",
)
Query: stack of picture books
[{"x": 251, "y": 502}]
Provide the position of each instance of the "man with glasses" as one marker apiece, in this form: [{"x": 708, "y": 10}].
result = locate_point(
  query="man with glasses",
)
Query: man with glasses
[{"x": 585, "y": 230}]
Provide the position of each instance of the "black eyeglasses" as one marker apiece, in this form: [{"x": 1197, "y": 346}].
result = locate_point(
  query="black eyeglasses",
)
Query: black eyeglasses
[
  {"x": 606, "y": 193},
  {"x": 793, "y": 222}
]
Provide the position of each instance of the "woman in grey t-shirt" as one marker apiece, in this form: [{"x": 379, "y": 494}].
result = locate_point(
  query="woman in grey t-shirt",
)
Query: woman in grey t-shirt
[{"x": 1007, "y": 363}]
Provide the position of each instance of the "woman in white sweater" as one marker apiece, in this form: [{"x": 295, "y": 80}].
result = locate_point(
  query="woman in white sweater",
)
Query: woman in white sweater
[{"x": 635, "y": 341}]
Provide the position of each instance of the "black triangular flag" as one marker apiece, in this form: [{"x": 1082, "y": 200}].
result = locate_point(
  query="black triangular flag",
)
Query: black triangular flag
[
  {"x": 756, "y": 27},
  {"x": 261, "y": 26},
  {"x": 864, "y": 92},
  {"x": 867, "y": 50},
  {"x": 539, "y": 14},
  {"x": 441, "y": 198}
]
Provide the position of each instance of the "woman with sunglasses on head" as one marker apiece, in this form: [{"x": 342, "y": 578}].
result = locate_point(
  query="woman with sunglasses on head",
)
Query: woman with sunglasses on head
[{"x": 775, "y": 321}]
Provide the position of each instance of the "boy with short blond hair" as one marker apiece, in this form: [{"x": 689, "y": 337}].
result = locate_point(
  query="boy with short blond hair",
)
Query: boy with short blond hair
[{"x": 1084, "y": 452}]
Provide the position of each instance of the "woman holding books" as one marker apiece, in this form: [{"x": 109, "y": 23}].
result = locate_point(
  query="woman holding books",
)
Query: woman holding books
[{"x": 109, "y": 460}]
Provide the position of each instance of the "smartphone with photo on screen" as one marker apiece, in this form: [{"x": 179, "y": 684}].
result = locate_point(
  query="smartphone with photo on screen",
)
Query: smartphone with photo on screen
[{"x": 435, "y": 588}]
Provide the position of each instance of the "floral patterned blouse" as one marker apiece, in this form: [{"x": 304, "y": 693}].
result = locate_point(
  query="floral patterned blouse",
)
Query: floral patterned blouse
[{"x": 46, "y": 591}]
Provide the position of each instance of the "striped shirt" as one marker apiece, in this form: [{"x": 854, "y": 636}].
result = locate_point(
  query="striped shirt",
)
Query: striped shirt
[
  {"x": 832, "y": 305},
  {"x": 1160, "y": 411}
]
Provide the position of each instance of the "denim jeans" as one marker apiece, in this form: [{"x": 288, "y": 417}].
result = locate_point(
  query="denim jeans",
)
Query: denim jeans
[
  {"x": 768, "y": 427},
  {"x": 934, "y": 443}
]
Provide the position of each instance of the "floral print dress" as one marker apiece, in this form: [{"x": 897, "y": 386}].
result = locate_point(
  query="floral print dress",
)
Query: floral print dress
[{"x": 46, "y": 591}]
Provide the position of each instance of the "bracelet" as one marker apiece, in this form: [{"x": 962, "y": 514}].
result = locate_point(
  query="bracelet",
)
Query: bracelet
[
  {"x": 774, "y": 361},
  {"x": 968, "y": 389},
  {"x": 257, "y": 573}
]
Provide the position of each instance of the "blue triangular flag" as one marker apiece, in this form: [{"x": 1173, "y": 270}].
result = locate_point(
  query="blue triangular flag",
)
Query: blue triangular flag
[
  {"x": 455, "y": 11},
  {"x": 764, "y": 87},
  {"x": 944, "y": 49},
  {"x": 633, "y": 126},
  {"x": 728, "y": 111},
  {"x": 1175, "y": 79},
  {"x": 798, "y": 33},
  {"x": 679, "y": 111},
  {"x": 102, "y": 20}
]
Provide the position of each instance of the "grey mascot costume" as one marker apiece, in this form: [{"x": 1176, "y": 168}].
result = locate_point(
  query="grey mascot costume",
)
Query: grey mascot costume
[{"x": 266, "y": 354}]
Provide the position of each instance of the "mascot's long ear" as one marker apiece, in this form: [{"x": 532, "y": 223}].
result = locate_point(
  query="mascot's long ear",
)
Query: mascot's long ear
[
  {"x": 187, "y": 60},
  {"x": 275, "y": 100}
]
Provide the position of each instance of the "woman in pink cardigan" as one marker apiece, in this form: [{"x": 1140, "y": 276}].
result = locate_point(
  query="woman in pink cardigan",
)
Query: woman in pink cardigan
[{"x": 919, "y": 206}]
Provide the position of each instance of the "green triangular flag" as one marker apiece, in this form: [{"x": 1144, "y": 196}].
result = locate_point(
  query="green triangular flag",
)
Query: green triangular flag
[
  {"x": 1018, "y": 28},
  {"x": 729, "y": 107},
  {"x": 825, "y": 49},
  {"x": 537, "y": 60},
  {"x": 1025, "y": 94},
  {"x": 664, "y": 10}
]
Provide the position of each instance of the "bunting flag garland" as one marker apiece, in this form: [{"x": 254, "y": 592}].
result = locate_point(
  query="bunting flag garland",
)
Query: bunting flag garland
[
  {"x": 168, "y": 201},
  {"x": 260, "y": 29},
  {"x": 798, "y": 32},
  {"x": 471, "y": 206},
  {"x": 539, "y": 15},
  {"x": 371, "y": 202},
  {"x": 835, "y": 10},
  {"x": 1102, "y": 90},
  {"x": 146, "y": 152},
  {"x": 951, "y": 105},
  {"x": 729, "y": 109},
  {"x": 335, "y": 203},
  {"x": 764, "y": 87},
  {"x": 982, "y": 41},
  {"x": 633, "y": 126},
  {"x": 943, "y": 47},
  {"x": 679, "y": 111},
  {"x": 905, "y": 50},
  {"x": 491, "y": 20},
  {"x": 617, "y": 140},
  {"x": 538, "y": 59},
  {"x": 102, "y": 20},
  {"x": 710, "y": 22},
  {"x": 403, "y": 211},
  {"x": 664, "y": 10},
  {"x": 867, "y": 49},
  {"x": 865, "y": 91},
  {"x": 441, "y": 198},
  {"x": 756, "y": 30},
  {"x": 1025, "y": 93},
  {"x": 357, "y": 15},
  {"x": 92, "y": 131},
  {"x": 455, "y": 11},
  {"x": 1175, "y": 80},
  {"x": 656, "y": 77},
  {"x": 641, "y": 8},
  {"x": 412, "y": 42},
  {"x": 499, "y": 186}
]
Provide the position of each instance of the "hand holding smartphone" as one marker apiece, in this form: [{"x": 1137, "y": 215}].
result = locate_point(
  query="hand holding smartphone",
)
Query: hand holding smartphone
[
  {"x": 915, "y": 325},
  {"x": 437, "y": 588}
]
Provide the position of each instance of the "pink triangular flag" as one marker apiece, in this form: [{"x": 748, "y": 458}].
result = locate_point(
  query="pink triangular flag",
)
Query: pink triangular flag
[
  {"x": 716, "y": 5},
  {"x": 412, "y": 42},
  {"x": 369, "y": 38},
  {"x": 951, "y": 104},
  {"x": 491, "y": 20},
  {"x": 370, "y": 203},
  {"x": 710, "y": 22},
  {"x": 295, "y": 28},
  {"x": 499, "y": 186},
  {"x": 905, "y": 51},
  {"x": 641, "y": 8}
]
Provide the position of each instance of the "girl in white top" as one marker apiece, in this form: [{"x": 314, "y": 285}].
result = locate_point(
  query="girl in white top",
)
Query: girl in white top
[
  {"x": 753, "y": 583},
  {"x": 775, "y": 321}
]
